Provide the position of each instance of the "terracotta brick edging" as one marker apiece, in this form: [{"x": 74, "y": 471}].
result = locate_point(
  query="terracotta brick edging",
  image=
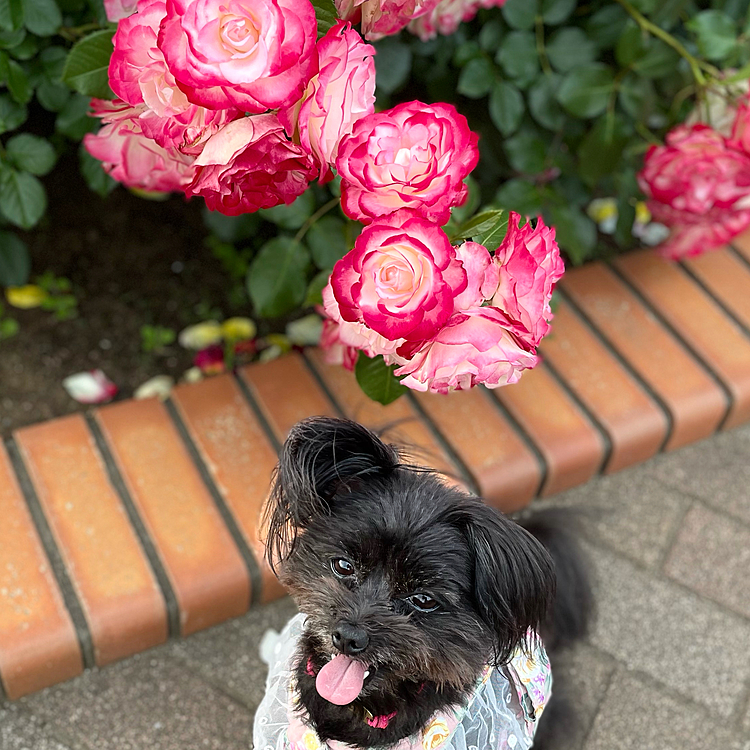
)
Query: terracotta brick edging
[{"x": 140, "y": 520}]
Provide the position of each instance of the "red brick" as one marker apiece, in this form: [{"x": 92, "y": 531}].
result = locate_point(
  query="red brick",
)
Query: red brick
[
  {"x": 696, "y": 403},
  {"x": 712, "y": 334},
  {"x": 635, "y": 424},
  {"x": 124, "y": 608},
  {"x": 209, "y": 577},
  {"x": 38, "y": 643},
  {"x": 504, "y": 468},
  {"x": 404, "y": 427},
  {"x": 238, "y": 455},
  {"x": 571, "y": 446},
  {"x": 286, "y": 392}
]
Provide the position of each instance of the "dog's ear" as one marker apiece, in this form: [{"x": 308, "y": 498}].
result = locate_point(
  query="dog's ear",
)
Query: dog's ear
[
  {"x": 514, "y": 577},
  {"x": 321, "y": 457}
]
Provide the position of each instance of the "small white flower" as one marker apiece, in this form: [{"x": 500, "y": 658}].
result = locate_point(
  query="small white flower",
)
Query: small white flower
[
  {"x": 305, "y": 331},
  {"x": 192, "y": 375},
  {"x": 159, "y": 387},
  {"x": 92, "y": 387}
]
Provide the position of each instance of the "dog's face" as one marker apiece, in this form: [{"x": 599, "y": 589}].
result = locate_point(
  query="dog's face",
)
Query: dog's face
[{"x": 406, "y": 582}]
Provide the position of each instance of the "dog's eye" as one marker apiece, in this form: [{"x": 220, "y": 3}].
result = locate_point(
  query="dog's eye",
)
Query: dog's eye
[
  {"x": 342, "y": 568},
  {"x": 423, "y": 602}
]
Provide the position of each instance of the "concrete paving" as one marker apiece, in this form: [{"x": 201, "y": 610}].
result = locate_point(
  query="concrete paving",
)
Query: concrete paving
[{"x": 666, "y": 667}]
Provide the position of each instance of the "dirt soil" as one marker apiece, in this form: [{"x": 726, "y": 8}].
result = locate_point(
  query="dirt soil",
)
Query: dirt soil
[{"x": 131, "y": 262}]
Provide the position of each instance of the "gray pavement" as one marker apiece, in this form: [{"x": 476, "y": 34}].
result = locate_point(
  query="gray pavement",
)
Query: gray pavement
[{"x": 666, "y": 667}]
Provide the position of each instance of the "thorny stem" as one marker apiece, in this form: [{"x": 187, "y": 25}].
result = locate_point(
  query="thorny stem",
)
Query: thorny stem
[
  {"x": 322, "y": 211},
  {"x": 697, "y": 66},
  {"x": 540, "y": 45}
]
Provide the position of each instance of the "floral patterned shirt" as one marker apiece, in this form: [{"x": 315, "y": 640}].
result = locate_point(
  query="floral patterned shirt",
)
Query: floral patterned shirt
[{"x": 501, "y": 713}]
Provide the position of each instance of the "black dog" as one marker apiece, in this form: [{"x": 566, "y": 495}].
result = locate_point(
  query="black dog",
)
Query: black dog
[{"x": 419, "y": 601}]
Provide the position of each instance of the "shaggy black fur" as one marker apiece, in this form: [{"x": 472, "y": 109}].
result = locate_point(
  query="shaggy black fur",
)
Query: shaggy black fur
[{"x": 341, "y": 494}]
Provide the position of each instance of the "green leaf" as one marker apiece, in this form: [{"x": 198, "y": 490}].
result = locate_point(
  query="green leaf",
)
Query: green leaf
[
  {"x": 41, "y": 17},
  {"x": 606, "y": 26},
  {"x": 476, "y": 78},
  {"x": 519, "y": 57},
  {"x": 506, "y": 107},
  {"x": 392, "y": 64},
  {"x": 93, "y": 172},
  {"x": 327, "y": 241},
  {"x": 52, "y": 96},
  {"x": 601, "y": 150},
  {"x": 277, "y": 280},
  {"x": 11, "y": 39},
  {"x": 11, "y": 15},
  {"x": 292, "y": 216},
  {"x": 556, "y": 11},
  {"x": 570, "y": 47},
  {"x": 491, "y": 35},
  {"x": 574, "y": 231},
  {"x": 488, "y": 223},
  {"x": 377, "y": 380},
  {"x": 657, "y": 61},
  {"x": 585, "y": 92},
  {"x": 86, "y": 67},
  {"x": 8, "y": 328},
  {"x": 543, "y": 104},
  {"x": 18, "y": 83},
  {"x": 27, "y": 48},
  {"x": 231, "y": 228},
  {"x": 326, "y": 15},
  {"x": 31, "y": 153},
  {"x": 74, "y": 120},
  {"x": 314, "y": 294},
  {"x": 15, "y": 263},
  {"x": 521, "y": 196},
  {"x": 637, "y": 96},
  {"x": 716, "y": 31},
  {"x": 12, "y": 114},
  {"x": 492, "y": 235},
  {"x": 526, "y": 152},
  {"x": 520, "y": 14},
  {"x": 23, "y": 200},
  {"x": 630, "y": 46}
]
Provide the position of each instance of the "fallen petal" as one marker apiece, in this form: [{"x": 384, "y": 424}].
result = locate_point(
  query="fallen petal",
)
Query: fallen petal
[
  {"x": 201, "y": 335},
  {"x": 92, "y": 387},
  {"x": 25, "y": 297},
  {"x": 160, "y": 386}
]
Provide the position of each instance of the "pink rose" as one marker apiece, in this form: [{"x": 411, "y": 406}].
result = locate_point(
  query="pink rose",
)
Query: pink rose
[
  {"x": 400, "y": 279},
  {"x": 478, "y": 345},
  {"x": 250, "y": 164},
  {"x": 412, "y": 156},
  {"x": 699, "y": 187},
  {"x": 342, "y": 91},
  {"x": 740, "y": 138},
  {"x": 482, "y": 275},
  {"x": 252, "y": 55},
  {"x": 118, "y": 9},
  {"x": 335, "y": 351},
  {"x": 445, "y": 17},
  {"x": 129, "y": 156},
  {"x": 529, "y": 265}
]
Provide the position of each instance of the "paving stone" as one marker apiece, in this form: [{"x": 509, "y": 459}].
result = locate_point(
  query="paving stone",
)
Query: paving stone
[
  {"x": 639, "y": 716},
  {"x": 580, "y": 675},
  {"x": 670, "y": 634},
  {"x": 227, "y": 655},
  {"x": 630, "y": 512},
  {"x": 20, "y": 730},
  {"x": 149, "y": 702},
  {"x": 716, "y": 470},
  {"x": 712, "y": 556}
]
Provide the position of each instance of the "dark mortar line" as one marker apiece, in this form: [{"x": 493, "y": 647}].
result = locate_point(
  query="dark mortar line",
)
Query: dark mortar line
[
  {"x": 466, "y": 474},
  {"x": 623, "y": 362},
  {"x": 70, "y": 597},
  {"x": 520, "y": 430},
  {"x": 604, "y": 433},
  {"x": 3, "y": 695},
  {"x": 136, "y": 522},
  {"x": 257, "y": 411},
  {"x": 737, "y": 254},
  {"x": 726, "y": 310},
  {"x": 683, "y": 341},
  {"x": 253, "y": 569},
  {"x": 324, "y": 387}
]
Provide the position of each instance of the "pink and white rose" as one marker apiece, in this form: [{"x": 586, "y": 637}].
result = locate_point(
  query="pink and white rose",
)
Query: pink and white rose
[
  {"x": 252, "y": 55},
  {"x": 411, "y": 156},
  {"x": 740, "y": 138},
  {"x": 335, "y": 351},
  {"x": 118, "y": 9},
  {"x": 381, "y": 18},
  {"x": 250, "y": 164},
  {"x": 482, "y": 275},
  {"x": 130, "y": 157},
  {"x": 529, "y": 265},
  {"x": 445, "y": 17},
  {"x": 699, "y": 186},
  {"x": 400, "y": 279},
  {"x": 478, "y": 345},
  {"x": 340, "y": 93}
]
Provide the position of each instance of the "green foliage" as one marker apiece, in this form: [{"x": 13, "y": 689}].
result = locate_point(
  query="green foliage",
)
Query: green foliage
[
  {"x": 377, "y": 380},
  {"x": 60, "y": 299},
  {"x": 15, "y": 264},
  {"x": 156, "y": 338},
  {"x": 85, "y": 69}
]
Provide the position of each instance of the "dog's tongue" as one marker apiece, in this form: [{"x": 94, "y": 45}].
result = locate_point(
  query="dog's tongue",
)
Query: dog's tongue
[{"x": 340, "y": 681}]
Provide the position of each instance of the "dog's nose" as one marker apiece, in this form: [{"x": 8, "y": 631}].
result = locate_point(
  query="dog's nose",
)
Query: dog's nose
[{"x": 349, "y": 639}]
